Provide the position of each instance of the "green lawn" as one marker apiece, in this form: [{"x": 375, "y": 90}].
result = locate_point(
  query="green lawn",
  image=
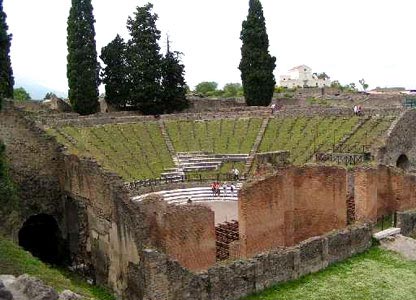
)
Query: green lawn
[
  {"x": 376, "y": 274},
  {"x": 15, "y": 261}
]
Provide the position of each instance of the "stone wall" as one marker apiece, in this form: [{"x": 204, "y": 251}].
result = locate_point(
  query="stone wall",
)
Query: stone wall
[
  {"x": 206, "y": 104},
  {"x": 34, "y": 163},
  {"x": 167, "y": 280},
  {"x": 401, "y": 140},
  {"x": 406, "y": 221},
  {"x": 291, "y": 206}
]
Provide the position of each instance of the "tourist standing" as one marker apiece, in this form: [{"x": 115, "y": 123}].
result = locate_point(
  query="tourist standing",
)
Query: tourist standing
[
  {"x": 224, "y": 189},
  {"x": 232, "y": 188},
  {"x": 236, "y": 174}
]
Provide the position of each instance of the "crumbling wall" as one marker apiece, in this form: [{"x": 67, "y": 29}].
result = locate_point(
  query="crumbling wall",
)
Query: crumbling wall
[
  {"x": 158, "y": 277},
  {"x": 291, "y": 206}
]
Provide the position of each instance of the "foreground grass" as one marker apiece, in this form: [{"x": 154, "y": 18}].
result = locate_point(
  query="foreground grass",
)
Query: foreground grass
[
  {"x": 376, "y": 274},
  {"x": 15, "y": 261}
]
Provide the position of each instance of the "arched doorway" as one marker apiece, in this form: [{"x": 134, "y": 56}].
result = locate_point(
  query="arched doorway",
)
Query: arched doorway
[
  {"x": 41, "y": 236},
  {"x": 402, "y": 162}
]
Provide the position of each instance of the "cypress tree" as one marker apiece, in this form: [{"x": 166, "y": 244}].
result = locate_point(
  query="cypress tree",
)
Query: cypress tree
[
  {"x": 115, "y": 75},
  {"x": 144, "y": 61},
  {"x": 6, "y": 72},
  {"x": 173, "y": 82},
  {"x": 82, "y": 67},
  {"x": 256, "y": 64}
]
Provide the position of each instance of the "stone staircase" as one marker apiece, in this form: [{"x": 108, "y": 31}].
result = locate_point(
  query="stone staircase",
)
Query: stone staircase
[
  {"x": 254, "y": 149},
  {"x": 198, "y": 162},
  {"x": 197, "y": 194}
]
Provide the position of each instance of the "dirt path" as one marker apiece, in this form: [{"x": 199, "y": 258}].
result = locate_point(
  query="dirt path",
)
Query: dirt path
[{"x": 404, "y": 245}]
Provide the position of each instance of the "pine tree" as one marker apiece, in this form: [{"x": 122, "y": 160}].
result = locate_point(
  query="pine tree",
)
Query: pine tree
[
  {"x": 82, "y": 67},
  {"x": 256, "y": 65},
  {"x": 173, "y": 82},
  {"x": 115, "y": 75},
  {"x": 144, "y": 61},
  {"x": 6, "y": 72}
]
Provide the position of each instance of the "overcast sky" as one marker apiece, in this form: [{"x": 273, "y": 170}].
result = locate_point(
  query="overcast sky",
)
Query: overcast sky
[{"x": 348, "y": 40}]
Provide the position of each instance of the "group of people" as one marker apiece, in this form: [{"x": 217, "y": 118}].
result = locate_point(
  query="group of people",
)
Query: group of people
[
  {"x": 357, "y": 110},
  {"x": 216, "y": 188}
]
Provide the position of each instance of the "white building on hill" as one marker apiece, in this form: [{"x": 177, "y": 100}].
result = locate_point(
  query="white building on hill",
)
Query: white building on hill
[{"x": 302, "y": 76}]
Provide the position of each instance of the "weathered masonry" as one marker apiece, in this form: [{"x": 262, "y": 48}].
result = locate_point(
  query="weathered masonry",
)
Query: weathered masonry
[{"x": 290, "y": 223}]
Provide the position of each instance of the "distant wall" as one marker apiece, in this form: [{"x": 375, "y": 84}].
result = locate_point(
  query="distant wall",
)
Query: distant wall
[
  {"x": 291, "y": 206},
  {"x": 157, "y": 277},
  {"x": 206, "y": 104}
]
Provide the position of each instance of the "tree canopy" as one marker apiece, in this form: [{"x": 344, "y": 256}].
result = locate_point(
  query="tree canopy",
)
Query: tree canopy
[
  {"x": 137, "y": 76},
  {"x": 20, "y": 94},
  {"x": 115, "y": 74},
  {"x": 173, "y": 82},
  {"x": 256, "y": 64},
  {"x": 206, "y": 88},
  {"x": 82, "y": 68},
  {"x": 6, "y": 72},
  {"x": 144, "y": 61}
]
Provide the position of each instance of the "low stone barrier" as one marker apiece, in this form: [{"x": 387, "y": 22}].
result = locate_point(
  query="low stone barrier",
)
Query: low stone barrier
[
  {"x": 406, "y": 221},
  {"x": 157, "y": 277}
]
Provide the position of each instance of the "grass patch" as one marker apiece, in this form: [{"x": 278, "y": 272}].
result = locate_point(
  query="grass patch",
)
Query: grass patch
[
  {"x": 134, "y": 151},
  {"x": 15, "y": 261},
  {"x": 376, "y": 274}
]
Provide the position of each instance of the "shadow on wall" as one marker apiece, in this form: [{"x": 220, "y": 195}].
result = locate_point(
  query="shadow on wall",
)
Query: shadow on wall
[{"x": 41, "y": 236}]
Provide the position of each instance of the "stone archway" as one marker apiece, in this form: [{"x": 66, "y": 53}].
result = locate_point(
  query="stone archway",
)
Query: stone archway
[
  {"x": 403, "y": 162},
  {"x": 41, "y": 236}
]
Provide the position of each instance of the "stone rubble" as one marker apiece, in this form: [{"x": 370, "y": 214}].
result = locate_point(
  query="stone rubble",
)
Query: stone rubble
[{"x": 26, "y": 287}]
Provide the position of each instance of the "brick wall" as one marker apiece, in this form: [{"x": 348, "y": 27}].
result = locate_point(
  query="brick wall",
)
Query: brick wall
[
  {"x": 291, "y": 206},
  {"x": 184, "y": 232},
  {"x": 381, "y": 191},
  {"x": 265, "y": 211},
  {"x": 366, "y": 205},
  {"x": 190, "y": 236},
  {"x": 319, "y": 201}
]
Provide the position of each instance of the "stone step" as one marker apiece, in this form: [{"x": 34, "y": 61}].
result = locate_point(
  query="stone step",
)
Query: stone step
[
  {"x": 201, "y": 163},
  {"x": 386, "y": 233},
  {"x": 199, "y": 168}
]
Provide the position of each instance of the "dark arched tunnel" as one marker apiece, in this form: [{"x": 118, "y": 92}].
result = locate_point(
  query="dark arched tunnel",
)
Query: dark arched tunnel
[
  {"x": 403, "y": 162},
  {"x": 41, "y": 236}
]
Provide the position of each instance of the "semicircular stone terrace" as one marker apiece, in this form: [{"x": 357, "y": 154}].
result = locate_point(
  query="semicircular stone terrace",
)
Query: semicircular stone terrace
[{"x": 186, "y": 149}]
